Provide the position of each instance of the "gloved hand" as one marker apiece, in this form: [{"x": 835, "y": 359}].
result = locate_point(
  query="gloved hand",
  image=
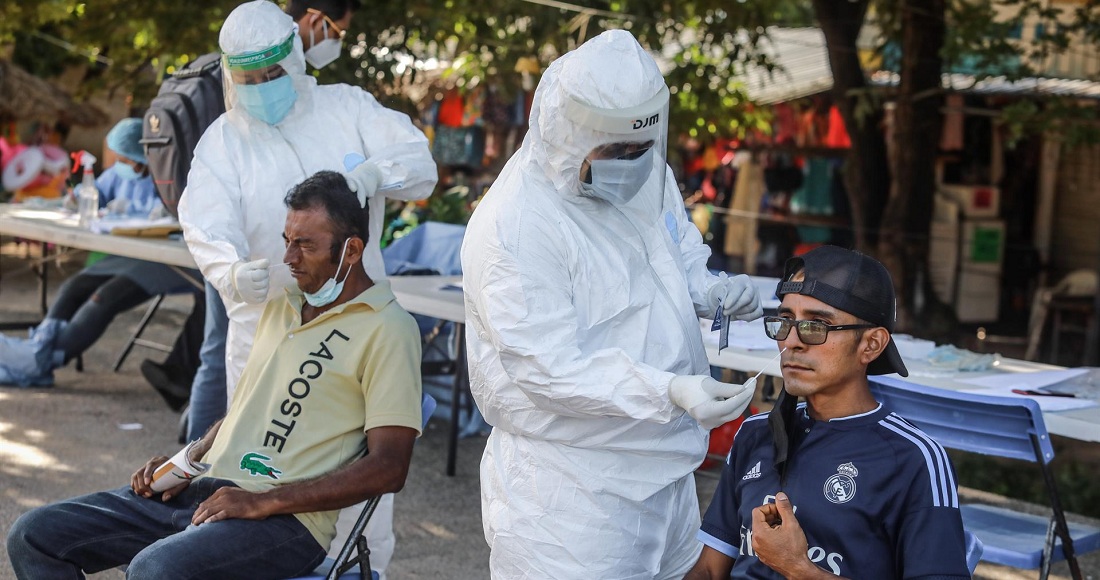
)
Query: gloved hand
[
  {"x": 72, "y": 202},
  {"x": 159, "y": 212},
  {"x": 364, "y": 180},
  {"x": 118, "y": 206},
  {"x": 738, "y": 296},
  {"x": 708, "y": 401},
  {"x": 250, "y": 281}
]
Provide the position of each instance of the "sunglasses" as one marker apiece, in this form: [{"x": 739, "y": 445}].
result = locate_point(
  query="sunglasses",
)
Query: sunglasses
[
  {"x": 810, "y": 332},
  {"x": 340, "y": 32}
]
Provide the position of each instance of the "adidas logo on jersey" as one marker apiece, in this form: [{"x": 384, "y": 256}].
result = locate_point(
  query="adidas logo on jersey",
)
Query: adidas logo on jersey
[{"x": 753, "y": 473}]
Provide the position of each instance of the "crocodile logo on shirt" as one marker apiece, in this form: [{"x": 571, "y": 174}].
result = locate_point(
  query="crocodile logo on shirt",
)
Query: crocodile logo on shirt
[{"x": 253, "y": 464}]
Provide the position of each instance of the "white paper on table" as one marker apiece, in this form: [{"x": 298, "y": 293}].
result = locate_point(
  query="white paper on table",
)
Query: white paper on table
[
  {"x": 105, "y": 225},
  {"x": 1001, "y": 385},
  {"x": 177, "y": 470},
  {"x": 746, "y": 335}
]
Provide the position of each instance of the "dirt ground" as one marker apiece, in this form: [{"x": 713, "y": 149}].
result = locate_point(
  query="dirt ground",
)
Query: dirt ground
[{"x": 93, "y": 428}]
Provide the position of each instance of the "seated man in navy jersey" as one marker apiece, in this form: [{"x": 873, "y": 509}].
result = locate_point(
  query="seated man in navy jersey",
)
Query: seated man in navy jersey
[{"x": 839, "y": 486}]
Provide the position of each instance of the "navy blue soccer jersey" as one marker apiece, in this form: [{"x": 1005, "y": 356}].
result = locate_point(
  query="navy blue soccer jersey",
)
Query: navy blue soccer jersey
[{"x": 875, "y": 496}]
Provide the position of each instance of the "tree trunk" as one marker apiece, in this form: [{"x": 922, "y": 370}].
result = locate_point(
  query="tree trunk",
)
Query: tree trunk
[
  {"x": 867, "y": 171},
  {"x": 903, "y": 246}
]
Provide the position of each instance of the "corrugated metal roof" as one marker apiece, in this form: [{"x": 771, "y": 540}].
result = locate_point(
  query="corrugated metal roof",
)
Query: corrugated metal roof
[
  {"x": 803, "y": 70},
  {"x": 803, "y": 67},
  {"x": 962, "y": 83}
]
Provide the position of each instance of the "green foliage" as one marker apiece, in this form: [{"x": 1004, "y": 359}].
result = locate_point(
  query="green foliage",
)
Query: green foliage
[
  {"x": 404, "y": 51},
  {"x": 1075, "y": 124},
  {"x": 448, "y": 206},
  {"x": 126, "y": 46}
]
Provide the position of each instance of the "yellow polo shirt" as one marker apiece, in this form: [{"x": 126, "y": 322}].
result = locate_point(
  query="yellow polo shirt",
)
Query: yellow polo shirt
[{"x": 309, "y": 393}]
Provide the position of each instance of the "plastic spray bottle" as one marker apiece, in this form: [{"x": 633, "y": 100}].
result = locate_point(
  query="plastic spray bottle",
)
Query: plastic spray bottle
[{"x": 87, "y": 194}]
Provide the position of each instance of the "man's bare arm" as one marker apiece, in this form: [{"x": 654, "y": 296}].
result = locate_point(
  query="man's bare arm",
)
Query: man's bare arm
[
  {"x": 712, "y": 565},
  {"x": 142, "y": 479},
  {"x": 383, "y": 470}
]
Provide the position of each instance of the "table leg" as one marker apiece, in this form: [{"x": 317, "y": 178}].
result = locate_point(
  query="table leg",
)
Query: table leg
[
  {"x": 43, "y": 279},
  {"x": 41, "y": 271},
  {"x": 457, "y": 391}
]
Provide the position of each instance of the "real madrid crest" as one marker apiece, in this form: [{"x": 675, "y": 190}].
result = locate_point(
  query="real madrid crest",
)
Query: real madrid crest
[{"x": 841, "y": 488}]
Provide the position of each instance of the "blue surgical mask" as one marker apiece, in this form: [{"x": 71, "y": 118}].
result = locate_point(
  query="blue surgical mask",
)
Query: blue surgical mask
[
  {"x": 269, "y": 102},
  {"x": 331, "y": 289},
  {"x": 125, "y": 172},
  {"x": 619, "y": 180}
]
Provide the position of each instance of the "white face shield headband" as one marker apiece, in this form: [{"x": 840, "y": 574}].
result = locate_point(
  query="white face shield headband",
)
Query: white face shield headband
[
  {"x": 631, "y": 155},
  {"x": 260, "y": 83}
]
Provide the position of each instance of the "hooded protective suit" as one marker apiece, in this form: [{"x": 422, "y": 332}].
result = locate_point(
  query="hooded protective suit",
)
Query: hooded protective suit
[
  {"x": 232, "y": 209},
  {"x": 579, "y": 314}
]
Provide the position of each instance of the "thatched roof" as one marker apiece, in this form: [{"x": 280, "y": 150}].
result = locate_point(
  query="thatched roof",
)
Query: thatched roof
[{"x": 25, "y": 97}]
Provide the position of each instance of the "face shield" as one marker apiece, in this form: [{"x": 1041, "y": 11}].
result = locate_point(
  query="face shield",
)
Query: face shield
[
  {"x": 260, "y": 83},
  {"x": 629, "y": 149}
]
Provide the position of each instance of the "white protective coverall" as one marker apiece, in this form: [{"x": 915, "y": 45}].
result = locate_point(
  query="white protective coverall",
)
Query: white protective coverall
[
  {"x": 579, "y": 314},
  {"x": 232, "y": 209}
]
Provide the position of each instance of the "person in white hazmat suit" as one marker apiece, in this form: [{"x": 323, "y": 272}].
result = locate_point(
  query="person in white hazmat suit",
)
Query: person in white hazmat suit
[
  {"x": 281, "y": 127},
  {"x": 584, "y": 281}
]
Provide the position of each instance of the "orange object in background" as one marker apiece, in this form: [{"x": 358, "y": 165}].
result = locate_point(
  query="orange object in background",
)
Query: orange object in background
[
  {"x": 804, "y": 247},
  {"x": 721, "y": 440},
  {"x": 838, "y": 135},
  {"x": 51, "y": 189}
]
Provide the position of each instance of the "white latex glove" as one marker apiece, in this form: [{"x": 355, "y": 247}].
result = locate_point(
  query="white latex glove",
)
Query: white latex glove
[
  {"x": 158, "y": 212},
  {"x": 708, "y": 401},
  {"x": 118, "y": 206},
  {"x": 250, "y": 281},
  {"x": 738, "y": 296},
  {"x": 364, "y": 180},
  {"x": 71, "y": 202}
]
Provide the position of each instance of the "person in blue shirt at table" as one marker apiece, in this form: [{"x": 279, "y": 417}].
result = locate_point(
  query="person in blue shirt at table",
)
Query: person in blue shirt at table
[
  {"x": 87, "y": 302},
  {"x": 838, "y": 486}
]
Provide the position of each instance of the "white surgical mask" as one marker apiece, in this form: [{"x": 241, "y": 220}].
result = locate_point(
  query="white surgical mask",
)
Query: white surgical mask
[
  {"x": 331, "y": 289},
  {"x": 618, "y": 180},
  {"x": 322, "y": 54}
]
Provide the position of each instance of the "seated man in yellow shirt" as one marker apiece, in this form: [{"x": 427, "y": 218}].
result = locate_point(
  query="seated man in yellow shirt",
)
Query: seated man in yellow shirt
[{"x": 334, "y": 370}]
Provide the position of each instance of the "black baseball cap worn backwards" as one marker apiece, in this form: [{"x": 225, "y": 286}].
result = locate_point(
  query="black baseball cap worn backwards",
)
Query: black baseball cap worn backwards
[{"x": 853, "y": 282}]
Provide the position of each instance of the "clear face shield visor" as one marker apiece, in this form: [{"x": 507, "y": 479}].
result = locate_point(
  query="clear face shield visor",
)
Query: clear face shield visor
[
  {"x": 241, "y": 72},
  {"x": 629, "y": 159}
]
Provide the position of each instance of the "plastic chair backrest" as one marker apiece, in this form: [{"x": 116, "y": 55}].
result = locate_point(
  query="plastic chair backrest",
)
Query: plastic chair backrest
[{"x": 998, "y": 426}]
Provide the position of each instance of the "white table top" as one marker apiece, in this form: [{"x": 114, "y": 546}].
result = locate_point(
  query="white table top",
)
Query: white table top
[
  {"x": 426, "y": 295},
  {"x": 60, "y": 228},
  {"x": 430, "y": 296}
]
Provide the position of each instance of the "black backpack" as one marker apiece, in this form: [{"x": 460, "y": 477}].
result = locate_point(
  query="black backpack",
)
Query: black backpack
[{"x": 187, "y": 103}]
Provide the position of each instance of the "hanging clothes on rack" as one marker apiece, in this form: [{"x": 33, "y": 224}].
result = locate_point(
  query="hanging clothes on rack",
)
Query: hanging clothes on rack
[{"x": 740, "y": 230}]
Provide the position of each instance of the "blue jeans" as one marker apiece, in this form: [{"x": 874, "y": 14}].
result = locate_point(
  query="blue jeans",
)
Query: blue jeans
[
  {"x": 156, "y": 540},
  {"x": 208, "y": 402}
]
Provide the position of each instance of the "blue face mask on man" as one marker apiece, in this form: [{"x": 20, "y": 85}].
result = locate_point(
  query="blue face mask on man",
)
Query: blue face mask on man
[
  {"x": 269, "y": 101},
  {"x": 331, "y": 290}
]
